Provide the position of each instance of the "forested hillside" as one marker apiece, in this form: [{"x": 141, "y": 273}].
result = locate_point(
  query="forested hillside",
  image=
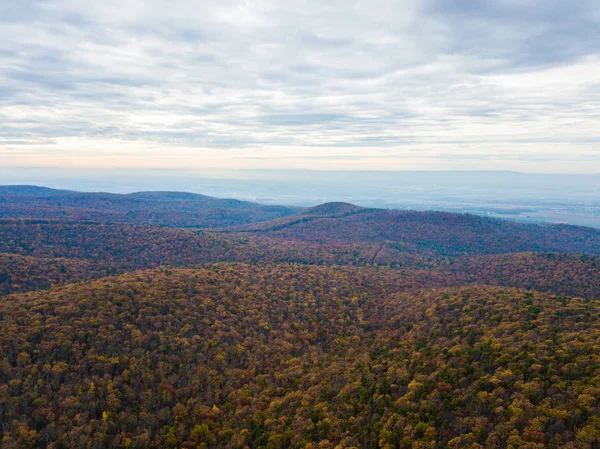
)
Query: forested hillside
[
  {"x": 563, "y": 274},
  {"x": 439, "y": 232},
  {"x": 338, "y": 327},
  {"x": 141, "y": 246},
  {"x": 286, "y": 356},
  {"x": 61, "y": 252},
  {"x": 174, "y": 209},
  {"x": 23, "y": 273}
]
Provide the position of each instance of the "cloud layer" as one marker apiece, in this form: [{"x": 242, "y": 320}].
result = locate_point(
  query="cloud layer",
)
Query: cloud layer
[{"x": 407, "y": 84}]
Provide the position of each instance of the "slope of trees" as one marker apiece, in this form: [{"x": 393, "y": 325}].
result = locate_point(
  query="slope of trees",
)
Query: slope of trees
[
  {"x": 174, "y": 209},
  {"x": 131, "y": 246},
  {"x": 138, "y": 246},
  {"x": 291, "y": 356},
  {"x": 562, "y": 274},
  {"x": 23, "y": 273},
  {"x": 336, "y": 328},
  {"x": 89, "y": 250},
  {"x": 331, "y": 223},
  {"x": 438, "y": 232}
]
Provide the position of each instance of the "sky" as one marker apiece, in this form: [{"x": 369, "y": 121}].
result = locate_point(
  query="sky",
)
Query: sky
[{"x": 322, "y": 85}]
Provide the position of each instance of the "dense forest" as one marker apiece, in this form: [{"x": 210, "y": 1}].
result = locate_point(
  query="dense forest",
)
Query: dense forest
[
  {"x": 336, "y": 327},
  {"x": 287, "y": 356},
  {"x": 439, "y": 232}
]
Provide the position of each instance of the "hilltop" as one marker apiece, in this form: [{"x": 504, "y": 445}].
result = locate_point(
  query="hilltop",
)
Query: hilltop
[
  {"x": 334, "y": 209},
  {"x": 434, "y": 232}
]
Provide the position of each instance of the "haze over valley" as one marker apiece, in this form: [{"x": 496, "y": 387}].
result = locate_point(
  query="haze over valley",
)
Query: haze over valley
[{"x": 527, "y": 197}]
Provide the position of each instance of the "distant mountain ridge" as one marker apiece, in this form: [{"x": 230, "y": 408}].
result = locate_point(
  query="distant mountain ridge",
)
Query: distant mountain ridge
[
  {"x": 338, "y": 223},
  {"x": 173, "y": 209},
  {"x": 439, "y": 232}
]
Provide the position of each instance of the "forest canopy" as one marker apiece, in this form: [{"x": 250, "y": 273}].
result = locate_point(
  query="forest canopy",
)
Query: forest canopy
[
  {"x": 289, "y": 356},
  {"x": 336, "y": 327}
]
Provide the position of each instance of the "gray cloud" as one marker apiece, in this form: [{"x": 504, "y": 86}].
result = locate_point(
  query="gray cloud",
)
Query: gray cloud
[{"x": 212, "y": 82}]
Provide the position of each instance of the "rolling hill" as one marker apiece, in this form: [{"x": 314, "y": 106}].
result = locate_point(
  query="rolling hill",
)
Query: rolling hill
[
  {"x": 296, "y": 357},
  {"x": 336, "y": 327},
  {"x": 36, "y": 250},
  {"x": 437, "y": 232},
  {"x": 24, "y": 273},
  {"x": 174, "y": 209}
]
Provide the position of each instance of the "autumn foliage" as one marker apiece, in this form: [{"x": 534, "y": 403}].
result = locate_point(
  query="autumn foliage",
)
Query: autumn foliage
[
  {"x": 335, "y": 328},
  {"x": 290, "y": 356}
]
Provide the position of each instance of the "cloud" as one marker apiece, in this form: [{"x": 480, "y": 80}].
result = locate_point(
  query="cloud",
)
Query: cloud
[{"x": 380, "y": 84}]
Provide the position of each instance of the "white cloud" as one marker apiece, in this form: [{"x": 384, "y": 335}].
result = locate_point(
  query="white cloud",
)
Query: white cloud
[{"x": 378, "y": 84}]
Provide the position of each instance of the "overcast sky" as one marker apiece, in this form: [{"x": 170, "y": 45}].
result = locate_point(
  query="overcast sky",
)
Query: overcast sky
[{"x": 440, "y": 84}]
